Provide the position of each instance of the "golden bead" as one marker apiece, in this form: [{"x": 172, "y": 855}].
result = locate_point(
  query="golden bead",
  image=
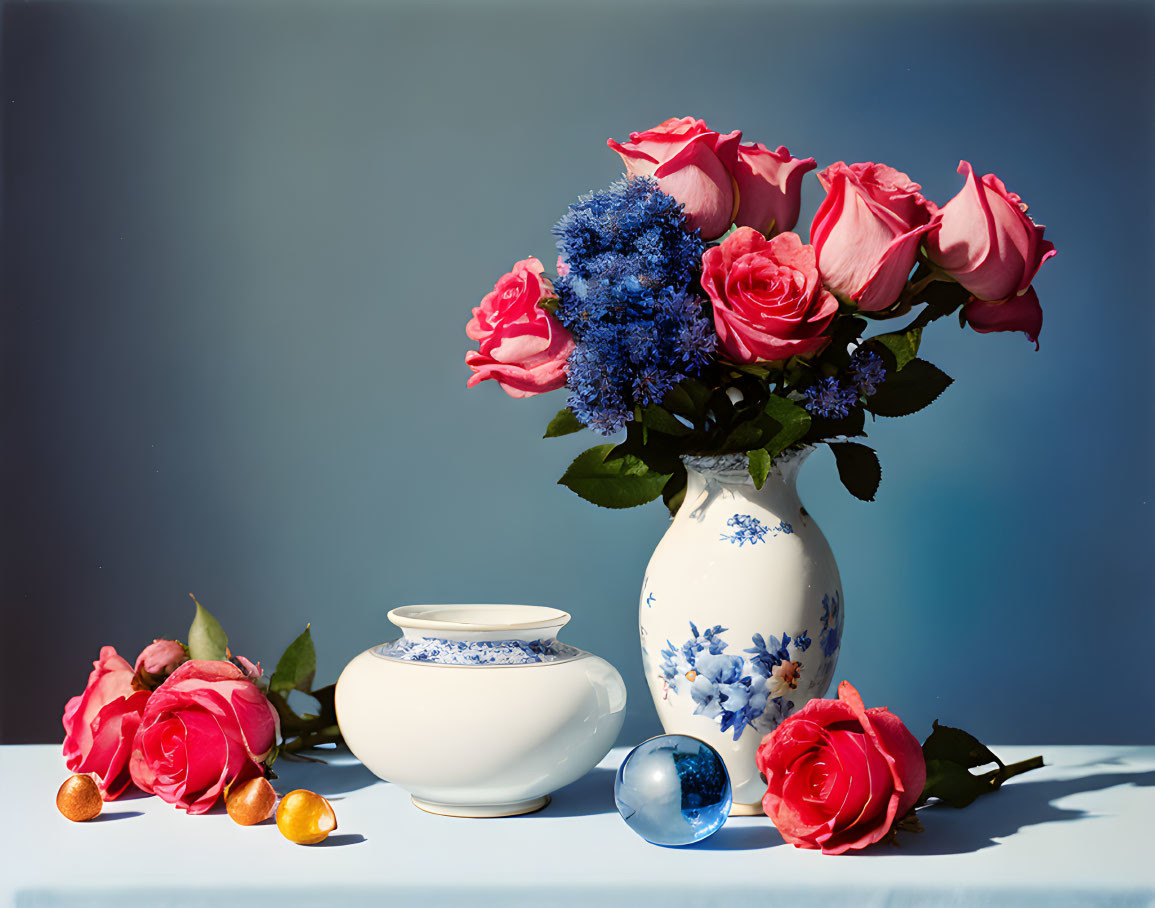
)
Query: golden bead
[
  {"x": 79, "y": 798},
  {"x": 305, "y": 817},
  {"x": 251, "y": 801}
]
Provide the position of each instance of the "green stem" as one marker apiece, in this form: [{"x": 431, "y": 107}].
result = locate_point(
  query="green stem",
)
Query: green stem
[
  {"x": 996, "y": 777},
  {"x": 329, "y": 735}
]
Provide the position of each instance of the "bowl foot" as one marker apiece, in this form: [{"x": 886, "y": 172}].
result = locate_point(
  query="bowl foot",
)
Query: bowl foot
[
  {"x": 511, "y": 809},
  {"x": 746, "y": 810}
]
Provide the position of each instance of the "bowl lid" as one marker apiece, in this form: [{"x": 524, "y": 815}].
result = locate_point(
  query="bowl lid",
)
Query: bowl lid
[{"x": 478, "y": 617}]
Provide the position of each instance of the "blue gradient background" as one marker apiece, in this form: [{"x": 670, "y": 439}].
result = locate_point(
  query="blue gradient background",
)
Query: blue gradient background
[{"x": 241, "y": 241}]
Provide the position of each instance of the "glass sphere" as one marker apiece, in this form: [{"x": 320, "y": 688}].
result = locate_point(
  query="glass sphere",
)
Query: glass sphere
[{"x": 673, "y": 790}]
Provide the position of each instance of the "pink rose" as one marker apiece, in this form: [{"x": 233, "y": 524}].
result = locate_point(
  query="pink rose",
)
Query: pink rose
[
  {"x": 113, "y": 731},
  {"x": 986, "y": 242},
  {"x": 838, "y": 774},
  {"x": 867, "y": 232},
  {"x": 769, "y": 303},
  {"x": 204, "y": 728},
  {"x": 522, "y": 346},
  {"x": 99, "y": 724},
  {"x": 769, "y": 187},
  {"x": 693, "y": 164},
  {"x": 989, "y": 245},
  {"x": 161, "y": 658}
]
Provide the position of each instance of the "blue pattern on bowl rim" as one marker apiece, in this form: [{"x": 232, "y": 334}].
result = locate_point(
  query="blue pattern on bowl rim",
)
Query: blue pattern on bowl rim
[{"x": 437, "y": 651}]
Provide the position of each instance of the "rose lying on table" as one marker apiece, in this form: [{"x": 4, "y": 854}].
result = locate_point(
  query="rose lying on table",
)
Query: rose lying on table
[
  {"x": 186, "y": 723},
  {"x": 840, "y": 776}
]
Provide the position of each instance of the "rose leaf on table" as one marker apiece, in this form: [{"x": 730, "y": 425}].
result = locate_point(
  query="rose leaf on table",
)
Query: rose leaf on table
[{"x": 951, "y": 754}]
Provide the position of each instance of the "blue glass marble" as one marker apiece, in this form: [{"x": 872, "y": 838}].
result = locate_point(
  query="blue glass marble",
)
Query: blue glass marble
[{"x": 673, "y": 790}]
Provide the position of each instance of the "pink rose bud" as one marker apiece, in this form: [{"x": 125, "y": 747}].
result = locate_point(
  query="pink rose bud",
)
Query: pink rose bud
[
  {"x": 252, "y": 670},
  {"x": 523, "y": 347},
  {"x": 161, "y": 658},
  {"x": 693, "y": 164},
  {"x": 769, "y": 187},
  {"x": 838, "y": 775},
  {"x": 986, "y": 241},
  {"x": 206, "y": 727},
  {"x": 769, "y": 303},
  {"x": 100, "y": 723},
  {"x": 868, "y": 231}
]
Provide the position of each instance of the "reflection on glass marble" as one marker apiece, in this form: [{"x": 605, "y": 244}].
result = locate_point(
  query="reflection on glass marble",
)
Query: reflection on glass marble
[{"x": 673, "y": 790}]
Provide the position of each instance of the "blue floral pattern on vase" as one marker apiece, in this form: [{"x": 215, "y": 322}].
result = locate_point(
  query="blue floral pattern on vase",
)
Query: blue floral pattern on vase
[
  {"x": 831, "y": 607},
  {"x": 831, "y": 634},
  {"x": 476, "y": 652},
  {"x": 735, "y": 690},
  {"x": 748, "y": 528}
]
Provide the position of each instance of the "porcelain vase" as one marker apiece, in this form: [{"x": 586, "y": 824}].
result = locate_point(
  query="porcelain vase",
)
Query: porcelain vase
[
  {"x": 741, "y": 613},
  {"x": 479, "y": 710}
]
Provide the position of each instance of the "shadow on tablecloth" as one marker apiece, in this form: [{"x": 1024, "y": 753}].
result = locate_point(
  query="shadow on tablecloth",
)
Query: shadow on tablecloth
[
  {"x": 1018, "y": 804},
  {"x": 592, "y": 794}
]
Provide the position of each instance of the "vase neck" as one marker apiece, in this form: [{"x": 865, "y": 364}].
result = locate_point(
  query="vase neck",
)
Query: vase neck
[{"x": 728, "y": 476}]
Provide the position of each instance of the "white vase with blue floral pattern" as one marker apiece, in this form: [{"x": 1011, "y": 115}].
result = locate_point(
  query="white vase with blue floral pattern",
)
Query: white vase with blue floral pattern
[{"x": 741, "y": 612}]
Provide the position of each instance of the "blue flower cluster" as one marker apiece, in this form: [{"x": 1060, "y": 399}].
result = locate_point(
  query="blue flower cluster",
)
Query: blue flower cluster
[
  {"x": 769, "y": 651},
  {"x": 717, "y": 683},
  {"x": 731, "y": 689},
  {"x": 746, "y": 529},
  {"x": 752, "y": 530},
  {"x": 628, "y": 301},
  {"x": 867, "y": 371},
  {"x": 830, "y": 398}
]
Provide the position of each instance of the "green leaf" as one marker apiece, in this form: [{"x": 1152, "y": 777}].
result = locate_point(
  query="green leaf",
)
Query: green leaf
[
  {"x": 674, "y": 491},
  {"x": 916, "y": 386},
  {"x": 689, "y": 399},
  {"x": 950, "y": 754},
  {"x": 858, "y": 468},
  {"x": 658, "y": 452},
  {"x": 660, "y": 420},
  {"x": 760, "y": 461},
  {"x": 952, "y": 783},
  {"x": 847, "y": 331},
  {"x": 794, "y": 422},
  {"x": 761, "y": 371},
  {"x": 747, "y": 435},
  {"x": 206, "y": 638},
  {"x": 564, "y": 423},
  {"x": 852, "y": 425},
  {"x": 624, "y": 482},
  {"x": 297, "y": 665},
  {"x": 549, "y": 304},
  {"x": 903, "y": 344},
  {"x": 956, "y": 745}
]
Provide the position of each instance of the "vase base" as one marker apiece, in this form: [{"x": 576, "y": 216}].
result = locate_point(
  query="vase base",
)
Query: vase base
[
  {"x": 482, "y": 811},
  {"x": 746, "y": 810}
]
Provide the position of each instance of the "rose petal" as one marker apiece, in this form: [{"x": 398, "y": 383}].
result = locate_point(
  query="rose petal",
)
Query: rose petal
[{"x": 1019, "y": 313}]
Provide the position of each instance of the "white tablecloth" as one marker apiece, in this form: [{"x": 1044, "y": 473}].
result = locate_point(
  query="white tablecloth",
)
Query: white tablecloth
[{"x": 1079, "y": 832}]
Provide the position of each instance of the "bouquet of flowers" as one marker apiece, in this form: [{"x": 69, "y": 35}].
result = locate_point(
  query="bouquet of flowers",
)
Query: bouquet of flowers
[{"x": 687, "y": 312}]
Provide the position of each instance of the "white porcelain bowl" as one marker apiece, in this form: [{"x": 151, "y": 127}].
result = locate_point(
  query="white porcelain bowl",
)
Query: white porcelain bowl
[{"x": 477, "y": 710}]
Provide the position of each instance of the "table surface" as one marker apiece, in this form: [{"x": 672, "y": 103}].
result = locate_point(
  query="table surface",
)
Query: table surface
[{"x": 1077, "y": 832}]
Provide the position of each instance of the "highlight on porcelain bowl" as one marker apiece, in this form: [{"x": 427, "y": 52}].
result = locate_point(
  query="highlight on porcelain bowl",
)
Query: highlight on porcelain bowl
[{"x": 478, "y": 710}]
